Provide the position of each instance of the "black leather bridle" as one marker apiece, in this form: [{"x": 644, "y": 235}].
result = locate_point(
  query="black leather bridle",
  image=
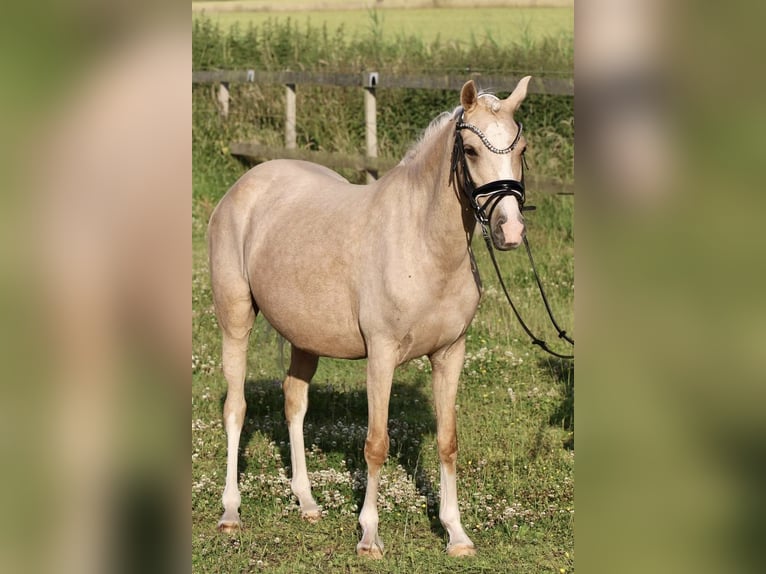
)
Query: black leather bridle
[{"x": 494, "y": 191}]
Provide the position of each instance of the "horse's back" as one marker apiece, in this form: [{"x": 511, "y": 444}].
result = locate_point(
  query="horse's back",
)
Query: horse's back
[
  {"x": 277, "y": 179},
  {"x": 256, "y": 200},
  {"x": 307, "y": 167}
]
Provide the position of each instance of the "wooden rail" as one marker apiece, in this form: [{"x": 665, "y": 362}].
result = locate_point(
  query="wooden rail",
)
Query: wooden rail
[
  {"x": 547, "y": 86},
  {"x": 370, "y": 82}
]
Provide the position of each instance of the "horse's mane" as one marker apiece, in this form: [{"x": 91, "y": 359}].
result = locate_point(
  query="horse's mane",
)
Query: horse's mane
[
  {"x": 435, "y": 126},
  {"x": 438, "y": 123}
]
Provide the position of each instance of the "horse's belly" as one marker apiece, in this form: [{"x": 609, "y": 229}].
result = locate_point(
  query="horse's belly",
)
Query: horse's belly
[
  {"x": 320, "y": 339},
  {"x": 326, "y": 326}
]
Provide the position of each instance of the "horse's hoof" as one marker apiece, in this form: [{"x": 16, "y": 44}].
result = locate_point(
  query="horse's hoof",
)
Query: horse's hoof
[
  {"x": 461, "y": 550},
  {"x": 229, "y": 526},
  {"x": 375, "y": 552},
  {"x": 312, "y": 516}
]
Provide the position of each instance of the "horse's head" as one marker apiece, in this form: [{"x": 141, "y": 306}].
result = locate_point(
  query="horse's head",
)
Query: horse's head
[{"x": 493, "y": 144}]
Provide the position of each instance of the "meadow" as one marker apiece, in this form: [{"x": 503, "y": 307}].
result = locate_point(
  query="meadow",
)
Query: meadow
[
  {"x": 501, "y": 25},
  {"x": 515, "y": 404}
]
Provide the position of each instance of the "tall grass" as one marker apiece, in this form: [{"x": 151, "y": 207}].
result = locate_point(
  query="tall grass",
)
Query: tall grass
[
  {"x": 284, "y": 44},
  {"x": 331, "y": 118}
]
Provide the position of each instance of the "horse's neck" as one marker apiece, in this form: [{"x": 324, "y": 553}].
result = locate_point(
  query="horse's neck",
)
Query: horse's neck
[{"x": 431, "y": 204}]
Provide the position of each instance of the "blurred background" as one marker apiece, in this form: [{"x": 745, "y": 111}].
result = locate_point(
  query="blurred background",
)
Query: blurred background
[{"x": 670, "y": 277}]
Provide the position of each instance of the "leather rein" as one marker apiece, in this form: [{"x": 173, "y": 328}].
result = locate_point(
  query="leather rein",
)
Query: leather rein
[{"x": 493, "y": 192}]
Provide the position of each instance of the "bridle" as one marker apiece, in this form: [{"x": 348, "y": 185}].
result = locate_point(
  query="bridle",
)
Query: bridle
[{"x": 493, "y": 192}]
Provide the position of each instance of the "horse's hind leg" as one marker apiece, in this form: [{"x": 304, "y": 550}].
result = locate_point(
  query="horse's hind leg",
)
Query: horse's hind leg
[
  {"x": 303, "y": 365},
  {"x": 236, "y": 314}
]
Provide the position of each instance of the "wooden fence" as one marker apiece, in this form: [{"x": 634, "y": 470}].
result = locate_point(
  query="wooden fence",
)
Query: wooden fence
[{"x": 369, "y": 82}]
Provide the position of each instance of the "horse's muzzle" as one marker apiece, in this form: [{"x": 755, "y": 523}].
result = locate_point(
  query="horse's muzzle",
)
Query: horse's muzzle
[{"x": 507, "y": 235}]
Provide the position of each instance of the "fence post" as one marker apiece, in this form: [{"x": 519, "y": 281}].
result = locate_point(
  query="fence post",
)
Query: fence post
[
  {"x": 371, "y": 121},
  {"x": 223, "y": 98},
  {"x": 290, "y": 137}
]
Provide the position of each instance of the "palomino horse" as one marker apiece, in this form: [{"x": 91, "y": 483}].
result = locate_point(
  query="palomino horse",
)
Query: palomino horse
[{"x": 382, "y": 271}]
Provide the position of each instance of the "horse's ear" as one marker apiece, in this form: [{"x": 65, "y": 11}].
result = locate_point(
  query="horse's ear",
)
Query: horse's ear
[
  {"x": 468, "y": 96},
  {"x": 513, "y": 101}
]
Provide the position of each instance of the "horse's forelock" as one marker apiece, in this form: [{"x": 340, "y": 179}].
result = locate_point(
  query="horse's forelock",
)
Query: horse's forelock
[{"x": 493, "y": 102}]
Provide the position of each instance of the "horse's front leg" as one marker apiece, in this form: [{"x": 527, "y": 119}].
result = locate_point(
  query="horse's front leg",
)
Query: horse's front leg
[
  {"x": 447, "y": 364},
  {"x": 380, "y": 372}
]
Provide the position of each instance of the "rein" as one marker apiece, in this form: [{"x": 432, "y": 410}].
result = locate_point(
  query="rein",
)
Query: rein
[{"x": 494, "y": 191}]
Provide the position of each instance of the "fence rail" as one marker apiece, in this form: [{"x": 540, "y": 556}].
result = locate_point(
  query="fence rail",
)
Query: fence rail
[
  {"x": 538, "y": 85},
  {"x": 370, "y": 82}
]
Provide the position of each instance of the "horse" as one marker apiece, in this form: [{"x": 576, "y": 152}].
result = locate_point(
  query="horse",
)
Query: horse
[{"x": 381, "y": 271}]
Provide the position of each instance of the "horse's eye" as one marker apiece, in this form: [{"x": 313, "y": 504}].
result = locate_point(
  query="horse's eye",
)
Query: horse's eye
[{"x": 469, "y": 151}]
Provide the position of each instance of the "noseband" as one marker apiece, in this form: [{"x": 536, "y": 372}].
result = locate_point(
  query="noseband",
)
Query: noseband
[{"x": 493, "y": 191}]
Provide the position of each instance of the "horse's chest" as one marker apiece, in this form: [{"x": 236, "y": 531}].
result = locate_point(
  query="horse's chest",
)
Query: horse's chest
[{"x": 437, "y": 317}]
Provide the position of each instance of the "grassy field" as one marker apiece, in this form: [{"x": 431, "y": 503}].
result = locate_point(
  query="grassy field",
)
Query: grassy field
[
  {"x": 516, "y": 461},
  {"x": 501, "y": 25},
  {"x": 516, "y": 407}
]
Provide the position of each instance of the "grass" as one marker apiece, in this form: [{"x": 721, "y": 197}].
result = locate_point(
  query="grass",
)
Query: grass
[
  {"x": 515, "y": 409},
  {"x": 502, "y": 26}
]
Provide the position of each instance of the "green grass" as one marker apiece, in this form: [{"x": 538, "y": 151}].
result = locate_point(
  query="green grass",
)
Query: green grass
[
  {"x": 502, "y": 26},
  {"x": 515, "y": 474}
]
